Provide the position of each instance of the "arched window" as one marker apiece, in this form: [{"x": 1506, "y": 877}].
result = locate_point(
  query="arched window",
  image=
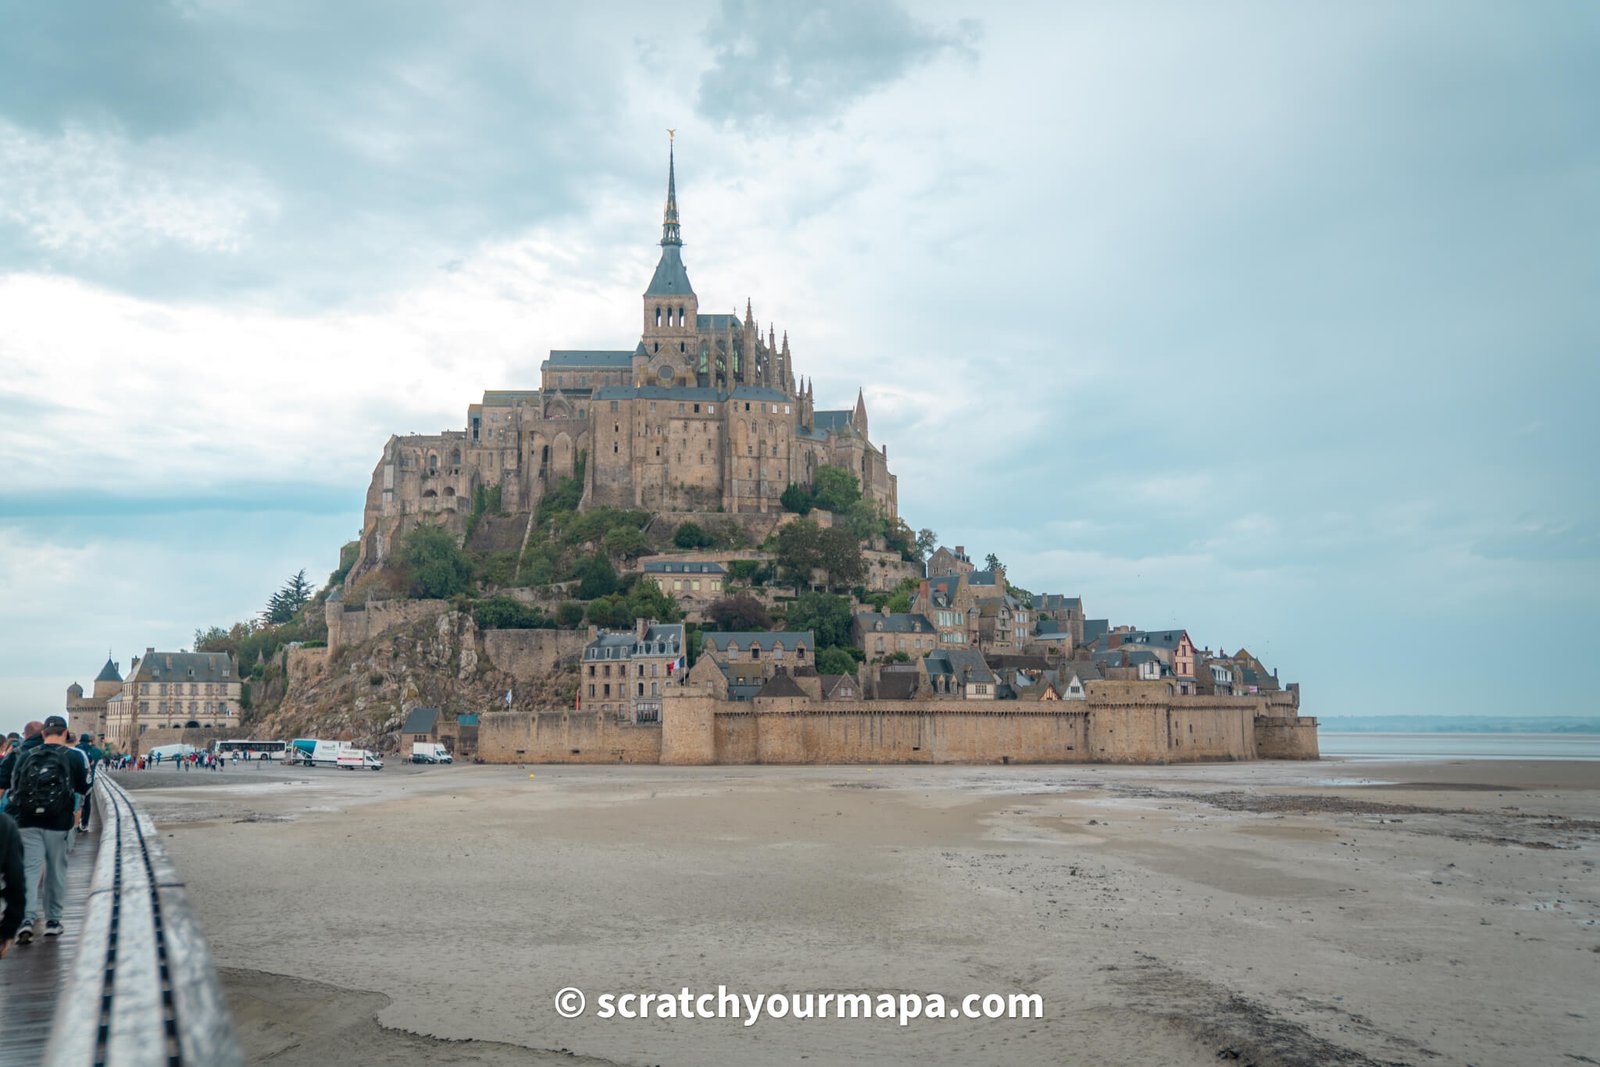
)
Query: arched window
[
  {"x": 433, "y": 461},
  {"x": 455, "y": 457},
  {"x": 658, "y": 314}
]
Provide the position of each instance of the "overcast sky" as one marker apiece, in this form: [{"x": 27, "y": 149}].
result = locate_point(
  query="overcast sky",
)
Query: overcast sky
[{"x": 1276, "y": 322}]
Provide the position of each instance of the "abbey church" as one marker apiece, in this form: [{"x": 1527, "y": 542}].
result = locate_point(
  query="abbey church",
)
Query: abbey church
[{"x": 701, "y": 415}]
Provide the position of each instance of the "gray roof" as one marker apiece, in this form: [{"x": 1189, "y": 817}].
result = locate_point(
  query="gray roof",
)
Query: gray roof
[
  {"x": 781, "y": 685},
  {"x": 186, "y": 667},
  {"x": 942, "y": 589},
  {"x": 831, "y": 420},
  {"x": 580, "y": 357},
  {"x": 1049, "y": 630},
  {"x": 898, "y": 684},
  {"x": 660, "y": 639},
  {"x": 505, "y": 398},
  {"x": 896, "y": 623},
  {"x": 670, "y": 278},
  {"x": 1086, "y": 672},
  {"x": 764, "y": 639},
  {"x": 1095, "y": 628},
  {"x": 420, "y": 721},
  {"x": 674, "y": 567},
  {"x": 109, "y": 672},
  {"x": 1154, "y": 638},
  {"x": 982, "y": 578},
  {"x": 963, "y": 664},
  {"x": 717, "y": 322},
  {"x": 758, "y": 392}
]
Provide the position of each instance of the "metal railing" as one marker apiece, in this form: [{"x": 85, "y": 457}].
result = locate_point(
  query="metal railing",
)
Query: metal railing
[{"x": 143, "y": 989}]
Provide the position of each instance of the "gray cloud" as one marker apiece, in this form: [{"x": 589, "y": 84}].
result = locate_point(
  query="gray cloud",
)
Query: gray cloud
[{"x": 781, "y": 65}]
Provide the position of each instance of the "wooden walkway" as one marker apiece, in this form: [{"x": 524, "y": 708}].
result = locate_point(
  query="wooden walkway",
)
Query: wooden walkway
[{"x": 32, "y": 977}]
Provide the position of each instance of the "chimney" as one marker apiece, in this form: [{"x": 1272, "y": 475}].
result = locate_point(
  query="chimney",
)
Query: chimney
[{"x": 640, "y": 628}]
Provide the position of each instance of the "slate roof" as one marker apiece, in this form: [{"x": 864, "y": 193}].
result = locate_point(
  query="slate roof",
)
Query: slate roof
[
  {"x": 764, "y": 639},
  {"x": 670, "y": 278},
  {"x": 963, "y": 664},
  {"x": 186, "y": 667},
  {"x": 420, "y": 721},
  {"x": 580, "y": 357},
  {"x": 1056, "y": 602},
  {"x": 896, "y": 623},
  {"x": 1094, "y": 629},
  {"x": 717, "y": 322},
  {"x": 661, "y": 639},
  {"x": 506, "y": 398},
  {"x": 1050, "y": 630},
  {"x": 981, "y": 578},
  {"x": 781, "y": 685},
  {"x": 1006, "y": 661},
  {"x": 942, "y": 590},
  {"x": 663, "y": 566},
  {"x": 832, "y": 683},
  {"x": 831, "y": 420},
  {"x": 1086, "y": 672},
  {"x": 758, "y": 392},
  {"x": 898, "y": 685},
  {"x": 109, "y": 672},
  {"x": 1154, "y": 638}
]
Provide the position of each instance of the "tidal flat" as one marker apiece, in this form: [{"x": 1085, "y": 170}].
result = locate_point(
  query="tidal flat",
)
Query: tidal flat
[{"x": 1340, "y": 912}]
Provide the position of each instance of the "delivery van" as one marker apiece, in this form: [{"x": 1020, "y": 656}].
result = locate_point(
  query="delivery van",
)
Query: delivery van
[{"x": 429, "y": 752}]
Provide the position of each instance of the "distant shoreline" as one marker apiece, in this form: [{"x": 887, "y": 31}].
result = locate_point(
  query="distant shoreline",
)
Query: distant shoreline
[{"x": 1576, "y": 725}]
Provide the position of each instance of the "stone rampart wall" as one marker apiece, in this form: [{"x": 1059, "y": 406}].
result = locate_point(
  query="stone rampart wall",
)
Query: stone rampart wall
[
  {"x": 528, "y": 655},
  {"x": 564, "y": 737},
  {"x": 351, "y": 625},
  {"x": 1287, "y": 737}
]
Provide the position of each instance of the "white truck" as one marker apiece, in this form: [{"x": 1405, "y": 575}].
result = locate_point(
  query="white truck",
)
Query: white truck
[
  {"x": 314, "y": 753},
  {"x": 358, "y": 759},
  {"x": 429, "y": 752}
]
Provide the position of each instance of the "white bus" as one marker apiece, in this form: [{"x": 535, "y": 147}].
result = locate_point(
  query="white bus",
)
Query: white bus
[{"x": 252, "y": 750}]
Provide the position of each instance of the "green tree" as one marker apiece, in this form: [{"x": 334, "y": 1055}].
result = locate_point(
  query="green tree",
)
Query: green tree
[
  {"x": 835, "y": 661},
  {"x": 610, "y": 611},
  {"x": 865, "y": 521},
  {"x": 796, "y": 499},
  {"x": 691, "y": 535},
  {"x": 839, "y": 556},
  {"x": 826, "y": 615},
  {"x": 597, "y": 577},
  {"x": 626, "y": 542},
  {"x": 503, "y": 613},
  {"x": 991, "y": 561},
  {"x": 569, "y": 614},
  {"x": 834, "y": 489},
  {"x": 283, "y": 604},
  {"x": 898, "y": 603},
  {"x": 738, "y": 613},
  {"x": 927, "y": 541},
  {"x": 797, "y": 551},
  {"x": 647, "y": 600},
  {"x": 432, "y": 564}
]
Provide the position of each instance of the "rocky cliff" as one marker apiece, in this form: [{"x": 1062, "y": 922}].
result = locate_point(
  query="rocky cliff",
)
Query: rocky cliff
[{"x": 363, "y": 692}]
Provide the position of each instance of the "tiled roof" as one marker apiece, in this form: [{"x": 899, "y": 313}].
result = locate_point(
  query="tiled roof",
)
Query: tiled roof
[
  {"x": 109, "y": 672},
  {"x": 420, "y": 721},
  {"x": 186, "y": 667},
  {"x": 580, "y": 357},
  {"x": 763, "y": 639},
  {"x": 781, "y": 685},
  {"x": 758, "y": 392},
  {"x": 717, "y": 322},
  {"x": 896, "y": 623},
  {"x": 670, "y": 278},
  {"x": 687, "y": 567}
]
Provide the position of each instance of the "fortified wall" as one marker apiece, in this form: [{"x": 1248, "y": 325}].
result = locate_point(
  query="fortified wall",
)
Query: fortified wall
[{"x": 699, "y": 729}]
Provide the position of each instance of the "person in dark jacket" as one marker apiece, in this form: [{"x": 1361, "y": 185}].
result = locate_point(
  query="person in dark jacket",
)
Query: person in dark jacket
[
  {"x": 93, "y": 755},
  {"x": 46, "y": 830},
  {"x": 13, "y": 898},
  {"x": 32, "y": 737}
]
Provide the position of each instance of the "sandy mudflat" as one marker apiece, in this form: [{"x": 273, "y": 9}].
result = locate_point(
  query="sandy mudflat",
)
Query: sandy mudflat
[{"x": 1335, "y": 913}]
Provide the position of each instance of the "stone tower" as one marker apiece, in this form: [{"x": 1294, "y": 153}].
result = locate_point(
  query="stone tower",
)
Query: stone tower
[{"x": 671, "y": 309}]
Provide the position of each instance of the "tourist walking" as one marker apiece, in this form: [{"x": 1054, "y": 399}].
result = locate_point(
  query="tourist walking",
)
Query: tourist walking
[
  {"x": 92, "y": 756},
  {"x": 13, "y": 900},
  {"x": 43, "y": 789},
  {"x": 31, "y": 738}
]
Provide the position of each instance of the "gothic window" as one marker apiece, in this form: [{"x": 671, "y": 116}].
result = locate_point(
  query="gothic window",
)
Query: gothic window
[
  {"x": 455, "y": 458},
  {"x": 658, "y": 316},
  {"x": 433, "y": 462}
]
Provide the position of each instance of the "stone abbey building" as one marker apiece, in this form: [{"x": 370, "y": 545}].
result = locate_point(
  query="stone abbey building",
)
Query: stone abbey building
[{"x": 702, "y": 414}]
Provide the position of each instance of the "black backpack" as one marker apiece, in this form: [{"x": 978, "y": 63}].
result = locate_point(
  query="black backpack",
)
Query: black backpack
[{"x": 43, "y": 785}]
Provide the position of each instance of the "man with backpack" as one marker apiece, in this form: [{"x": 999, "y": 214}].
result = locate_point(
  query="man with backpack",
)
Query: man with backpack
[
  {"x": 31, "y": 738},
  {"x": 42, "y": 794}
]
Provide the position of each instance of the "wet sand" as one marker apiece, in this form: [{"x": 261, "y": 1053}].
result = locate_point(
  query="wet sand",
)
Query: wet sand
[{"x": 1335, "y": 913}]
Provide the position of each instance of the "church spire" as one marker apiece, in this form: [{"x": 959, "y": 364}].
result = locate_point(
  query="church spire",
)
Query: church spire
[{"x": 670, "y": 234}]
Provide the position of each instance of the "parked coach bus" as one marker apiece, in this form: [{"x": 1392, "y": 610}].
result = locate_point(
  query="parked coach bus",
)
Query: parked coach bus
[{"x": 252, "y": 749}]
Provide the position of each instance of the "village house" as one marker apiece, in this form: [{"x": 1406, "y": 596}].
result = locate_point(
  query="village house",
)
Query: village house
[
  {"x": 962, "y": 673},
  {"x": 688, "y": 581},
  {"x": 173, "y": 692},
  {"x": 624, "y": 673},
  {"x": 883, "y": 634},
  {"x": 768, "y": 650},
  {"x": 944, "y": 561}
]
